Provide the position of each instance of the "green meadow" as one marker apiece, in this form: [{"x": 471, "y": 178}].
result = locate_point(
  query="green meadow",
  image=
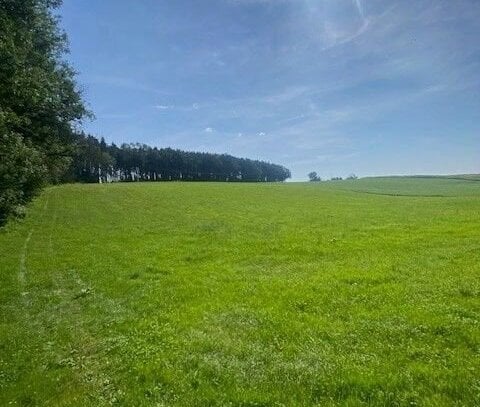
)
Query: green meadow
[{"x": 350, "y": 293}]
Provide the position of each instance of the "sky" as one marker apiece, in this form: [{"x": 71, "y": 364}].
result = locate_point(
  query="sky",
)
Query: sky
[{"x": 371, "y": 87}]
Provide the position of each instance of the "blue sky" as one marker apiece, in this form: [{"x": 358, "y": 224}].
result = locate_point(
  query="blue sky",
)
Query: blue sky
[{"x": 371, "y": 87}]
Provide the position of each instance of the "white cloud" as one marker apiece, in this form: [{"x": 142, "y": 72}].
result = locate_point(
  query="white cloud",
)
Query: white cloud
[
  {"x": 209, "y": 130},
  {"x": 163, "y": 107},
  {"x": 286, "y": 95},
  {"x": 360, "y": 8}
]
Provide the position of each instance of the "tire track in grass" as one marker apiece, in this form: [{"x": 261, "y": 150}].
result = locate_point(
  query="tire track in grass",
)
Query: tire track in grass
[
  {"x": 78, "y": 354},
  {"x": 50, "y": 235},
  {"x": 24, "y": 310},
  {"x": 22, "y": 271}
]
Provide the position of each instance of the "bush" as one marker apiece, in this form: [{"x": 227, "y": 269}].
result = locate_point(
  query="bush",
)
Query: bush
[
  {"x": 22, "y": 174},
  {"x": 313, "y": 177}
]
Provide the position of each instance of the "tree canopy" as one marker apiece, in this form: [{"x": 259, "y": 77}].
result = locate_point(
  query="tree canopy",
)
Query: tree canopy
[
  {"x": 96, "y": 161},
  {"x": 40, "y": 103},
  {"x": 313, "y": 176}
]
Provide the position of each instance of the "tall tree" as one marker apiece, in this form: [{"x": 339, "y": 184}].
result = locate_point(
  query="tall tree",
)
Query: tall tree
[{"x": 40, "y": 103}]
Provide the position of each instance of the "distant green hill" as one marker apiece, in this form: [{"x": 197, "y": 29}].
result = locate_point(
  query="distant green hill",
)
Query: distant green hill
[
  {"x": 469, "y": 177},
  {"x": 427, "y": 186}
]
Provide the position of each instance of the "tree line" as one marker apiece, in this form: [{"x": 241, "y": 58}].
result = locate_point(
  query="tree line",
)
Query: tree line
[
  {"x": 97, "y": 161},
  {"x": 41, "y": 111},
  {"x": 313, "y": 177}
]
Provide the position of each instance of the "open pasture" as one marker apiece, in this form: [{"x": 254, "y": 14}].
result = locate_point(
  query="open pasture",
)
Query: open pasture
[{"x": 346, "y": 293}]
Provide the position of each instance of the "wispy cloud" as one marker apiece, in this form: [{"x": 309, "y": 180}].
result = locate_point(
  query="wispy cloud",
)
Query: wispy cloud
[{"x": 359, "y": 6}]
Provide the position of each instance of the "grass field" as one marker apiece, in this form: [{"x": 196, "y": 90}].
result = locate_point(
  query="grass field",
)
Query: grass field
[{"x": 344, "y": 293}]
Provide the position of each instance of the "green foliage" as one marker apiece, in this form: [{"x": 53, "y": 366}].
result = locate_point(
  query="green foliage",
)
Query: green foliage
[
  {"x": 352, "y": 293},
  {"x": 39, "y": 101},
  {"x": 21, "y": 173},
  {"x": 96, "y": 160},
  {"x": 313, "y": 176}
]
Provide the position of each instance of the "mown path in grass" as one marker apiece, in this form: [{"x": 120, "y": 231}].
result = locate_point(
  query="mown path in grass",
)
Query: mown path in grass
[{"x": 201, "y": 294}]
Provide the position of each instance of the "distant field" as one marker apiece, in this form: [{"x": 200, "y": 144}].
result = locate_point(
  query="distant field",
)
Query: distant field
[
  {"x": 424, "y": 186},
  {"x": 351, "y": 293}
]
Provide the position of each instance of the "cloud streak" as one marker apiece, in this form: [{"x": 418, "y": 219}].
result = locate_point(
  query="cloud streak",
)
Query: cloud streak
[{"x": 359, "y": 6}]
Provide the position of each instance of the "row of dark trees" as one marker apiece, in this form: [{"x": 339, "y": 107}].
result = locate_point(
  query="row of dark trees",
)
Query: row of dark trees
[{"x": 96, "y": 161}]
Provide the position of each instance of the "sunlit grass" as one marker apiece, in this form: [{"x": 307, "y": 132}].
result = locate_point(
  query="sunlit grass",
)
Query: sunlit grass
[{"x": 350, "y": 293}]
